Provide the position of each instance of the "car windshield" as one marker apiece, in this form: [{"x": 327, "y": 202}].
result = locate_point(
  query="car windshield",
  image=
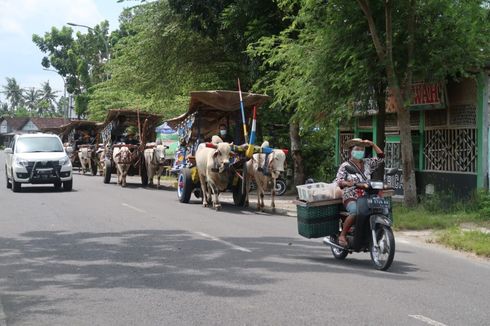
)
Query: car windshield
[{"x": 38, "y": 144}]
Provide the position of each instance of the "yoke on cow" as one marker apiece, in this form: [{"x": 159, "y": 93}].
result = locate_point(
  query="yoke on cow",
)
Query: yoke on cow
[
  {"x": 116, "y": 133},
  {"x": 207, "y": 111}
]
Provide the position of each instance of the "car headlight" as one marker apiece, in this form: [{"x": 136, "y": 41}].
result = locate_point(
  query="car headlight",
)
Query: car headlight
[
  {"x": 21, "y": 162},
  {"x": 65, "y": 161}
]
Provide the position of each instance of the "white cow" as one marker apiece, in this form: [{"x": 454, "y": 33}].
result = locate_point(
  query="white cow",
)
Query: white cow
[
  {"x": 275, "y": 165},
  {"x": 123, "y": 159},
  {"x": 155, "y": 160},
  {"x": 212, "y": 161},
  {"x": 85, "y": 156},
  {"x": 100, "y": 156}
]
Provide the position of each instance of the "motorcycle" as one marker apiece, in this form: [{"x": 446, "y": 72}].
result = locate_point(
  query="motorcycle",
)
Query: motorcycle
[{"x": 372, "y": 230}]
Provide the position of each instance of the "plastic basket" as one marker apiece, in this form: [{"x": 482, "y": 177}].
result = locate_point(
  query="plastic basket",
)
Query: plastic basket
[
  {"x": 320, "y": 221},
  {"x": 316, "y": 191}
]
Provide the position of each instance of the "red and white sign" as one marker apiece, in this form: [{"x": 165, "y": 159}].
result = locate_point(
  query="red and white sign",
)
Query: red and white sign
[{"x": 426, "y": 94}]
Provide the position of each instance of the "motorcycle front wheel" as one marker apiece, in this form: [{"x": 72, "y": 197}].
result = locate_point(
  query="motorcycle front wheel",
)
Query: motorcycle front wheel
[
  {"x": 383, "y": 251},
  {"x": 337, "y": 253}
]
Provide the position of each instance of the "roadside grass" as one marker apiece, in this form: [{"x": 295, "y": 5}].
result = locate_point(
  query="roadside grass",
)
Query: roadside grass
[
  {"x": 474, "y": 241},
  {"x": 419, "y": 218},
  {"x": 457, "y": 228}
]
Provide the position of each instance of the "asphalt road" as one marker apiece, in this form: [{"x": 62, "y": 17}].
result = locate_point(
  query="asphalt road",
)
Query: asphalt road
[{"x": 106, "y": 255}]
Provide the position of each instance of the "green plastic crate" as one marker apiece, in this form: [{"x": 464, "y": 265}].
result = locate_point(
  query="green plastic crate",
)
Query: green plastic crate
[{"x": 319, "y": 221}]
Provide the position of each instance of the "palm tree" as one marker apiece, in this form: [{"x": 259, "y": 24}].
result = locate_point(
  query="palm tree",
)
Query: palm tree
[
  {"x": 4, "y": 109},
  {"x": 13, "y": 93},
  {"x": 49, "y": 96},
  {"x": 32, "y": 97}
]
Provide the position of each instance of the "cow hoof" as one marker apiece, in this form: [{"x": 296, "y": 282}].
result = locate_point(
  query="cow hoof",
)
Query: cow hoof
[
  {"x": 217, "y": 207},
  {"x": 205, "y": 205}
]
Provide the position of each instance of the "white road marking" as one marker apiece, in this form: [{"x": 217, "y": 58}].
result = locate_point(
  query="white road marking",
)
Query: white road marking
[
  {"x": 3, "y": 317},
  {"x": 402, "y": 241},
  {"x": 235, "y": 247},
  {"x": 427, "y": 320},
  {"x": 133, "y": 208}
]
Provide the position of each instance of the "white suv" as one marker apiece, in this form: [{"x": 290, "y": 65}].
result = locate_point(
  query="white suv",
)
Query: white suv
[{"x": 38, "y": 159}]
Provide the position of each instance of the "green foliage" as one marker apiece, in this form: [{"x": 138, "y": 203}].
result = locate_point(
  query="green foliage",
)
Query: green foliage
[
  {"x": 419, "y": 218},
  {"x": 318, "y": 149},
  {"x": 30, "y": 102},
  {"x": 80, "y": 61},
  {"x": 13, "y": 93},
  {"x": 467, "y": 240},
  {"x": 483, "y": 200},
  {"x": 160, "y": 61}
]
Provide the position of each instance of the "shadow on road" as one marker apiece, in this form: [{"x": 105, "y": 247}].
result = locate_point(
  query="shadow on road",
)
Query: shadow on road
[
  {"x": 170, "y": 259},
  {"x": 42, "y": 189}
]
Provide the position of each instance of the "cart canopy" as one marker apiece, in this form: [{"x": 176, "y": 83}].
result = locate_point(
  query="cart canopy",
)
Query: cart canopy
[
  {"x": 208, "y": 109},
  {"x": 147, "y": 122}
]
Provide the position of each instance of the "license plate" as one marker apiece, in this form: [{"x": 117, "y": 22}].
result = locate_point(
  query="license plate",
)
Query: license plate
[
  {"x": 379, "y": 202},
  {"x": 44, "y": 172}
]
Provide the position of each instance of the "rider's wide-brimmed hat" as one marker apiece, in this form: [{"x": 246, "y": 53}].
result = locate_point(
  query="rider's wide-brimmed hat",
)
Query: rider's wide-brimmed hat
[{"x": 354, "y": 142}]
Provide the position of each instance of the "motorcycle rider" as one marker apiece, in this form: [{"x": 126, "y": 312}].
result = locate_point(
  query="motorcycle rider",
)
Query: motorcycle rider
[{"x": 365, "y": 167}]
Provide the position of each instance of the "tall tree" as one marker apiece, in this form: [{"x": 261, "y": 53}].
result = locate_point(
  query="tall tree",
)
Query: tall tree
[
  {"x": 457, "y": 42},
  {"x": 48, "y": 96},
  {"x": 13, "y": 93},
  {"x": 31, "y": 99},
  {"x": 81, "y": 60}
]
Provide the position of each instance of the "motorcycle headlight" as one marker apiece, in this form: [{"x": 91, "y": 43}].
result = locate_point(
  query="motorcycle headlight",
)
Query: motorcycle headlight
[
  {"x": 21, "y": 162},
  {"x": 377, "y": 185},
  {"x": 65, "y": 161}
]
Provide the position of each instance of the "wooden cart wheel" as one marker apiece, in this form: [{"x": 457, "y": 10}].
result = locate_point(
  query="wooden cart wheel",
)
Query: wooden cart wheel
[
  {"x": 185, "y": 186},
  {"x": 107, "y": 171}
]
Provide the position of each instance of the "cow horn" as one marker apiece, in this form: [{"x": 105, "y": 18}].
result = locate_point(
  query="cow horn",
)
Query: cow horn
[{"x": 211, "y": 145}]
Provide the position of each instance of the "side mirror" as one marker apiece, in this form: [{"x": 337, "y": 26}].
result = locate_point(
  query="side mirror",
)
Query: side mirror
[
  {"x": 349, "y": 169},
  {"x": 392, "y": 171},
  {"x": 8, "y": 150},
  {"x": 69, "y": 150}
]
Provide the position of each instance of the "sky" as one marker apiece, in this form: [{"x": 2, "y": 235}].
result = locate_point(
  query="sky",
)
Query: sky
[{"x": 20, "y": 58}]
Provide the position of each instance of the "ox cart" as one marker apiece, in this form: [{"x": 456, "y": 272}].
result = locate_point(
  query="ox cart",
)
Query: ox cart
[
  {"x": 207, "y": 111},
  {"x": 123, "y": 155},
  {"x": 83, "y": 136}
]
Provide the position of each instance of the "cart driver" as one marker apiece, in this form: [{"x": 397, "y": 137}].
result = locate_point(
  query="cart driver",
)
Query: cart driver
[
  {"x": 130, "y": 137},
  {"x": 118, "y": 129},
  {"x": 223, "y": 134},
  {"x": 365, "y": 167}
]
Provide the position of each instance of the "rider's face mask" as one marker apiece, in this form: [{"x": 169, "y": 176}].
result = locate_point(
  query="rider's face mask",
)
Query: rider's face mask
[
  {"x": 222, "y": 132},
  {"x": 358, "y": 155}
]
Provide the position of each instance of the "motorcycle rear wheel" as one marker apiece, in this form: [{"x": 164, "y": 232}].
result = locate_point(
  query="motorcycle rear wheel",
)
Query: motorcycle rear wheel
[{"x": 386, "y": 244}]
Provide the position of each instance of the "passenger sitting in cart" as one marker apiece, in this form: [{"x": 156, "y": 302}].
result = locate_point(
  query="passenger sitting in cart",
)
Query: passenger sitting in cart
[
  {"x": 223, "y": 134},
  {"x": 130, "y": 138}
]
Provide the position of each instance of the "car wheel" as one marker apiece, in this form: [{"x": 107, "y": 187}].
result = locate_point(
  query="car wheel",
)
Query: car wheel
[
  {"x": 57, "y": 185},
  {"x": 16, "y": 186},
  {"x": 68, "y": 185},
  {"x": 9, "y": 184}
]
